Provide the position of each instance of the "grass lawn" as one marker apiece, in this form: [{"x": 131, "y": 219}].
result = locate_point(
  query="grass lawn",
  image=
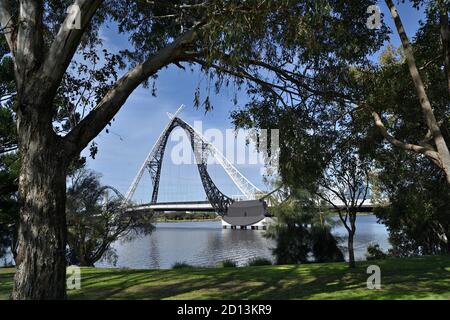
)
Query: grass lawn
[{"x": 412, "y": 278}]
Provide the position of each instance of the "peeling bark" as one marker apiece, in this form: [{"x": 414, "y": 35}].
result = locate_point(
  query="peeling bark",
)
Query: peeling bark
[{"x": 40, "y": 262}]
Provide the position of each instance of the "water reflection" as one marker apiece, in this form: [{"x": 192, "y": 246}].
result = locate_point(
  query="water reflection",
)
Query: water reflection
[
  {"x": 207, "y": 244},
  {"x": 368, "y": 231}
]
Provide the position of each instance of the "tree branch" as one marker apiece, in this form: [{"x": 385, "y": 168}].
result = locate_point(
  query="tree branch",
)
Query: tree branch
[
  {"x": 327, "y": 199},
  {"x": 245, "y": 75},
  {"x": 427, "y": 64},
  {"x": 6, "y": 23},
  {"x": 339, "y": 211},
  {"x": 28, "y": 46},
  {"x": 433, "y": 155},
  {"x": 67, "y": 41},
  {"x": 297, "y": 80},
  {"x": 366, "y": 191},
  {"x": 178, "y": 6},
  {"x": 80, "y": 136}
]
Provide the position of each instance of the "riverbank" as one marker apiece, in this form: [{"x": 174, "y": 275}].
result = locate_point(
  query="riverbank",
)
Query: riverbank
[{"x": 407, "y": 278}]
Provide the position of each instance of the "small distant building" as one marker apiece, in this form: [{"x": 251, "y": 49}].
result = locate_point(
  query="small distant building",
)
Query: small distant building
[{"x": 250, "y": 214}]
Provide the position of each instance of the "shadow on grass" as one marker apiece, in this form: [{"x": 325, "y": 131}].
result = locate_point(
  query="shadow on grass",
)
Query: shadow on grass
[
  {"x": 412, "y": 278},
  {"x": 6, "y": 283},
  {"x": 416, "y": 278}
]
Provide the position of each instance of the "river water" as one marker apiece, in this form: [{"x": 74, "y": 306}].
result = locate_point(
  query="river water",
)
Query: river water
[{"x": 207, "y": 244}]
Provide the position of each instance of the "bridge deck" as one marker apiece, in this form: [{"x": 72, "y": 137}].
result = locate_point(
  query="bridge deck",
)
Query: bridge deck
[
  {"x": 206, "y": 206},
  {"x": 175, "y": 206}
]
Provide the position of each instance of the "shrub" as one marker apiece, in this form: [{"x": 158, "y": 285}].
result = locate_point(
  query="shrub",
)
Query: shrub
[
  {"x": 259, "y": 262},
  {"x": 182, "y": 265},
  {"x": 375, "y": 253},
  {"x": 228, "y": 264},
  {"x": 301, "y": 232}
]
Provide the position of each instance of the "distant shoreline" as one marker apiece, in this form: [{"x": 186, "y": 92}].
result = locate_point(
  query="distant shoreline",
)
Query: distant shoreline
[
  {"x": 218, "y": 219},
  {"x": 186, "y": 220}
]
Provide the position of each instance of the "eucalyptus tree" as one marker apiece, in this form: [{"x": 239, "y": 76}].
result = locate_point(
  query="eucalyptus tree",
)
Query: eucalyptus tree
[
  {"x": 428, "y": 65},
  {"x": 376, "y": 91},
  {"x": 417, "y": 216},
  {"x": 233, "y": 39}
]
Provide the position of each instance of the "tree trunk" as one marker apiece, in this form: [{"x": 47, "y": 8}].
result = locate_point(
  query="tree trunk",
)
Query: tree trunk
[
  {"x": 41, "y": 261},
  {"x": 86, "y": 263},
  {"x": 351, "y": 250}
]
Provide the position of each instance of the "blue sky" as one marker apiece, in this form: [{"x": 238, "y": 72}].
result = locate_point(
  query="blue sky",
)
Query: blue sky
[{"x": 143, "y": 117}]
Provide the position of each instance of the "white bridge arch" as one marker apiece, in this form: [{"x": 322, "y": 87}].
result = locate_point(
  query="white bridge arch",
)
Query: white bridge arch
[{"x": 201, "y": 147}]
